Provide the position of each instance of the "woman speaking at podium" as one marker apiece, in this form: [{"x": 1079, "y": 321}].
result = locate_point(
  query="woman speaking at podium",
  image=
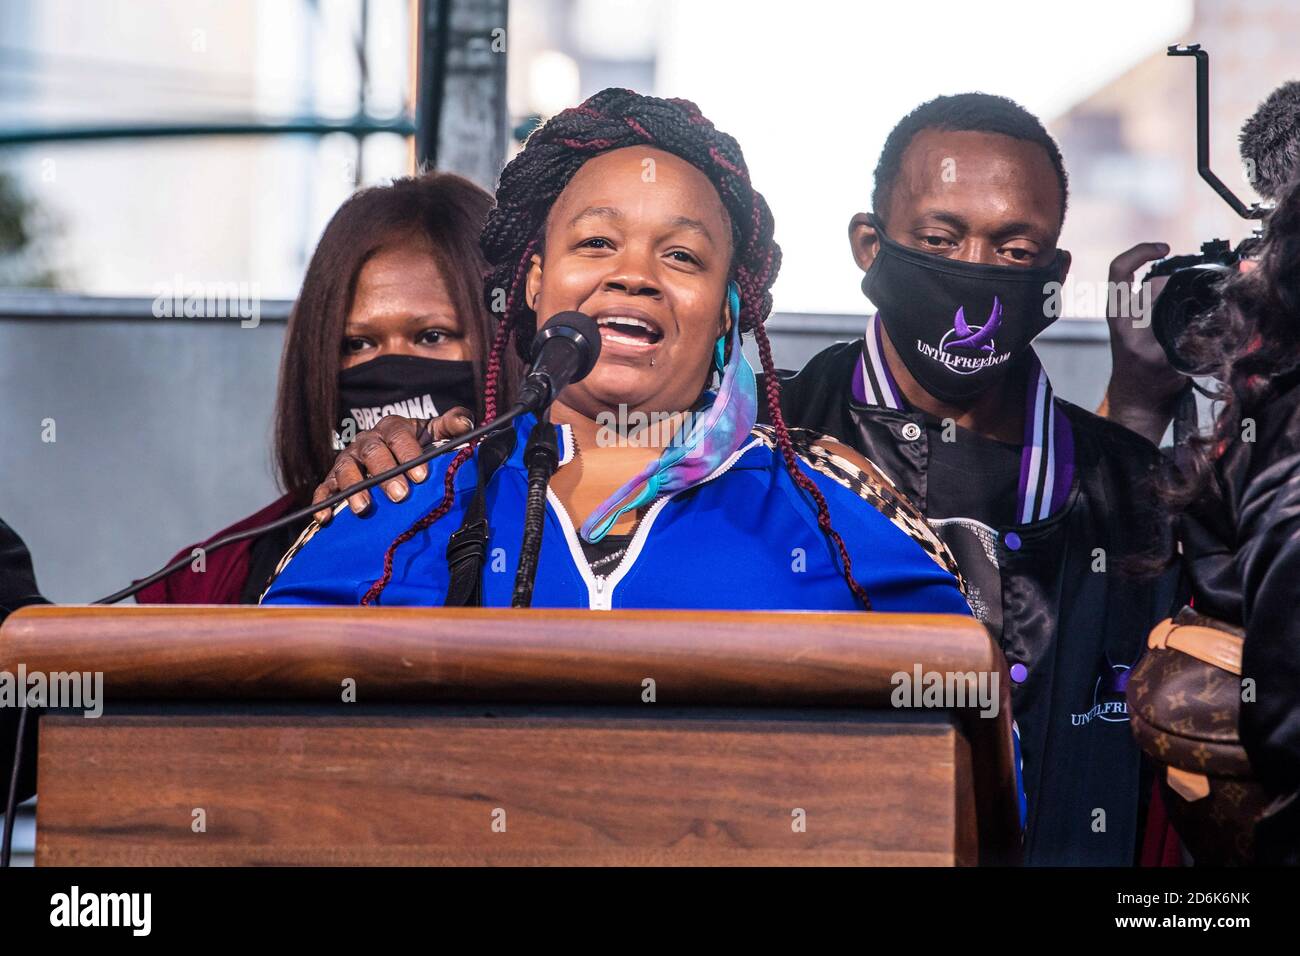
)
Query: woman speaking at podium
[{"x": 637, "y": 212}]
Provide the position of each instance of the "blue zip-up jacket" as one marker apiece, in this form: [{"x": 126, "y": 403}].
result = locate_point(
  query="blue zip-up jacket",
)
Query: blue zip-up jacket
[{"x": 746, "y": 538}]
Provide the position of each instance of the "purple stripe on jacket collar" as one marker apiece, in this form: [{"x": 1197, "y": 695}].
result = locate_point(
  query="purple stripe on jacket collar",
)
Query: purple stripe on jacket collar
[
  {"x": 1047, "y": 452},
  {"x": 1047, "y": 455},
  {"x": 859, "y": 384},
  {"x": 872, "y": 382}
]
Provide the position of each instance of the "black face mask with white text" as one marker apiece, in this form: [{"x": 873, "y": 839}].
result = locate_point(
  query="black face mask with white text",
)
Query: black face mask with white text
[
  {"x": 957, "y": 326},
  {"x": 407, "y": 385}
]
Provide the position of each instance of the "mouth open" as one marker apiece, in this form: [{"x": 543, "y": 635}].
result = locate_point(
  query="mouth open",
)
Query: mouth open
[{"x": 629, "y": 331}]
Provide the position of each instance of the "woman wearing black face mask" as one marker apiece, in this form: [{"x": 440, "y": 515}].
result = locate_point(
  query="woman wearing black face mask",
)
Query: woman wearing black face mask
[{"x": 390, "y": 320}]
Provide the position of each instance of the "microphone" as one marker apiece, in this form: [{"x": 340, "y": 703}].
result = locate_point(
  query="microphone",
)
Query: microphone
[
  {"x": 565, "y": 351},
  {"x": 1270, "y": 141}
]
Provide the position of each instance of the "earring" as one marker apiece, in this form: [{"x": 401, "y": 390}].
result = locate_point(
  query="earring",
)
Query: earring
[{"x": 731, "y": 314}]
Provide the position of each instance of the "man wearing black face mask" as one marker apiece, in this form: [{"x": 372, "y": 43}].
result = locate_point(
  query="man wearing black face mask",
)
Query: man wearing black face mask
[{"x": 1038, "y": 500}]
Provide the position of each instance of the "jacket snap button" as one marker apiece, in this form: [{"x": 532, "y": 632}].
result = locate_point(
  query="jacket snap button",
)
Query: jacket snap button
[{"x": 911, "y": 431}]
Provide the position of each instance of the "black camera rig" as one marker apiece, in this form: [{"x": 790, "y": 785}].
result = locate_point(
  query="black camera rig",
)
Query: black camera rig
[{"x": 1193, "y": 280}]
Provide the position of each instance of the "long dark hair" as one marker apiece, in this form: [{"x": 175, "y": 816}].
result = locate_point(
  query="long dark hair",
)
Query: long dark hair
[
  {"x": 1248, "y": 342},
  {"x": 530, "y": 184},
  {"x": 439, "y": 210}
]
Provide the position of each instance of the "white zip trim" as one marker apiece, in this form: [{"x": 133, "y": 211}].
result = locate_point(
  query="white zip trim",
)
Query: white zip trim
[
  {"x": 594, "y": 587},
  {"x": 600, "y": 589},
  {"x": 567, "y": 445}
]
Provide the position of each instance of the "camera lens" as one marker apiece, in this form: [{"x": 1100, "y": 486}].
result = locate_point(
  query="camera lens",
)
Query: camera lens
[{"x": 1189, "y": 293}]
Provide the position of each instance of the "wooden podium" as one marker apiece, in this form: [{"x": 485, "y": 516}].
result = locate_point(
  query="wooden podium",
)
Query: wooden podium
[{"x": 513, "y": 737}]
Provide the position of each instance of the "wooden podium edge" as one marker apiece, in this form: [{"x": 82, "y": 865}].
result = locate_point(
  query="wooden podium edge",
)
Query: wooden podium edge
[{"x": 446, "y": 654}]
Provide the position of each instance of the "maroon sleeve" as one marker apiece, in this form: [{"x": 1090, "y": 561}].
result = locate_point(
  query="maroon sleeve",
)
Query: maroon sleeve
[
  {"x": 223, "y": 572},
  {"x": 1160, "y": 845}
]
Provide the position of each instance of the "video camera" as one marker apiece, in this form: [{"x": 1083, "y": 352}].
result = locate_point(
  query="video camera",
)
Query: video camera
[{"x": 1186, "y": 286}]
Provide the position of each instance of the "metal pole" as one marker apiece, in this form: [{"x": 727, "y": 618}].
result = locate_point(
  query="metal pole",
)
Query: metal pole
[
  {"x": 435, "y": 27},
  {"x": 461, "y": 100}
]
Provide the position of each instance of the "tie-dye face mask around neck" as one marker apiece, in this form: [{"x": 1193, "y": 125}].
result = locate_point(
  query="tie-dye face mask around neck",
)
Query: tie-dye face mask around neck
[{"x": 706, "y": 438}]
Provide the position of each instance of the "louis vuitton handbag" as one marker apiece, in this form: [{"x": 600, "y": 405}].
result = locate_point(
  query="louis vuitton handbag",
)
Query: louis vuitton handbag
[{"x": 1184, "y": 698}]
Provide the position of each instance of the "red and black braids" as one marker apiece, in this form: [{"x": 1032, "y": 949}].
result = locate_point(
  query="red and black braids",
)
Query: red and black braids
[
  {"x": 491, "y": 387},
  {"x": 532, "y": 182}
]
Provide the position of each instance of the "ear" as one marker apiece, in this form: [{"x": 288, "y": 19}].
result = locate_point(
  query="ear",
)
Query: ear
[
  {"x": 863, "y": 241},
  {"x": 533, "y": 284},
  {"x": 1066, "y": 259}
]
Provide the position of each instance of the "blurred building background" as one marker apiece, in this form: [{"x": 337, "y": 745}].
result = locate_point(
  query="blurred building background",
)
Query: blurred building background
[
  {"x": 163, "y": 424},
  {"x": 1130, "y": 146}
]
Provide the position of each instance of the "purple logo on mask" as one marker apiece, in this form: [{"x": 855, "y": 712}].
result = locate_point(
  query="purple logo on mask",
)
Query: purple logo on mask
[
  {"x": 957, "y": 344},
  {"x": 980, "y": 338}
]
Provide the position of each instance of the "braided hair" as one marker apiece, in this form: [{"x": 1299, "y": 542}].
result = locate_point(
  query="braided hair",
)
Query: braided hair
[{"x": 532, "y": 182}]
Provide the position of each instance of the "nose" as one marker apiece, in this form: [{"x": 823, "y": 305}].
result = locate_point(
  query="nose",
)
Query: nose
[{"x": 631, "y": 275}]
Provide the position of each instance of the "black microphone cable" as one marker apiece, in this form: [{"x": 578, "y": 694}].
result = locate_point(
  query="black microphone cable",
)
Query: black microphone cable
[
  {"x": 541, "y": 457},
  {"x": 305, "y": 512},
  {"x": 11, "y": 801}
]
